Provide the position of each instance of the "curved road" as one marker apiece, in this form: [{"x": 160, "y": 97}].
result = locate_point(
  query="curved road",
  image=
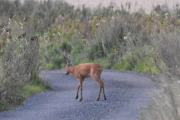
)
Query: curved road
[{"x": 126, "y": 92}]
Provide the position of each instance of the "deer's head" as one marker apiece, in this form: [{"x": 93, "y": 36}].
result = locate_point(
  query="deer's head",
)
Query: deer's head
[{"x": 67, "y": 68}]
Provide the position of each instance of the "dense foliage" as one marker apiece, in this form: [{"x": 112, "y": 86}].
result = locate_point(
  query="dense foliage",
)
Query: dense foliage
[{"x": 112, "y": 37}]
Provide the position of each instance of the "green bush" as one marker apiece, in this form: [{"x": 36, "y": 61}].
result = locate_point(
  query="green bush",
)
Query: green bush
[
  {"x": 95, "y": 51},
  {"x": 78, "y": 51},
  {"x": 57, "y": 55},
  {"x": 20, "y": 65},
  {"x": 123, "y": 65},
  {"x": 49, "y": 65},
  {"x": 136, "y": 61}
]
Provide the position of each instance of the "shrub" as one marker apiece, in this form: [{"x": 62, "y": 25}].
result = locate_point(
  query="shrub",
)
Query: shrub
[
  {"x": 96, "y": 51},
  {"x": 57, "y": 55},
  {"x": 20, "y": 64},
  {"x": 165, "y": 104},
  {"x": 138, "y": 60},
  {"x": 78, "y": 51},
  {"x": 119, "y": 37}
]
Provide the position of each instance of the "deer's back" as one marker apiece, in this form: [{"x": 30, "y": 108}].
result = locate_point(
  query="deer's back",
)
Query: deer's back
[{"x": 88, "y": 69}]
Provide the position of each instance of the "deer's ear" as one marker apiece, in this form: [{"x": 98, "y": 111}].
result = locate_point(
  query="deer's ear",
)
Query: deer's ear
[
  {"x": 71, "y": 64},
  {"x": 67, "y": 63}
]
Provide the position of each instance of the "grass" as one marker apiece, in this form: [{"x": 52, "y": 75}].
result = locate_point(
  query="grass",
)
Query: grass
[
  {"x": 31, "y": 88},
  {"x": 34, "y": 87},
  {"x": 137, "y": 62}
]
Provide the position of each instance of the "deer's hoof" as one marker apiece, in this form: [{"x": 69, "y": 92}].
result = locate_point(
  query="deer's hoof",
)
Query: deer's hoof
[
  {"x": 104, "y": 98},
  {"x": 97, "y": 99},
  {"x": 81, "y": 99},
  {"x": 76, "y": 97}
]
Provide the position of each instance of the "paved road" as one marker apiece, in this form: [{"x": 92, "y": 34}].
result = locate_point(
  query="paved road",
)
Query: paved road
[{"x": 126, "y": 92}]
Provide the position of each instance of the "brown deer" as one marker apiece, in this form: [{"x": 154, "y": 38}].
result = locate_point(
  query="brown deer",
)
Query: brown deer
[{"x": 82, "y": 71}]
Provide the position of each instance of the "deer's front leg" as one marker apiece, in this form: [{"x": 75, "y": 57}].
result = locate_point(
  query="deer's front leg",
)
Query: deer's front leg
[{"x": 77, "y": 90}]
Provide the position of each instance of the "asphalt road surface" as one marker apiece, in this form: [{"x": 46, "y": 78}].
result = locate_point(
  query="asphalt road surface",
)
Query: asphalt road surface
[{"x": 126, "y": 93}]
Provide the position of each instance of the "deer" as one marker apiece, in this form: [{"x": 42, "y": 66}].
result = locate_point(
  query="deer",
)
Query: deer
[{"x": 83, "y": 71}]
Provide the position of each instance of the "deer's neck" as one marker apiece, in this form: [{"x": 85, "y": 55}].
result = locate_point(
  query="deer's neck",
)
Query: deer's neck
[{"x": 71, "y": 69}]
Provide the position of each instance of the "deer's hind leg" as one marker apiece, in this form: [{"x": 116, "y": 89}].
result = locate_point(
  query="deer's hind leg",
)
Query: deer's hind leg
[
  {"x": 104, "y": 92},
  {"x": 101, "y": 86},
  {"x": 81, "y": 90}
]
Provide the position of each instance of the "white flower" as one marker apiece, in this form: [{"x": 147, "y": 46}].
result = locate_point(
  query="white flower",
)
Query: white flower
[{"x": 125, "y": 37}]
